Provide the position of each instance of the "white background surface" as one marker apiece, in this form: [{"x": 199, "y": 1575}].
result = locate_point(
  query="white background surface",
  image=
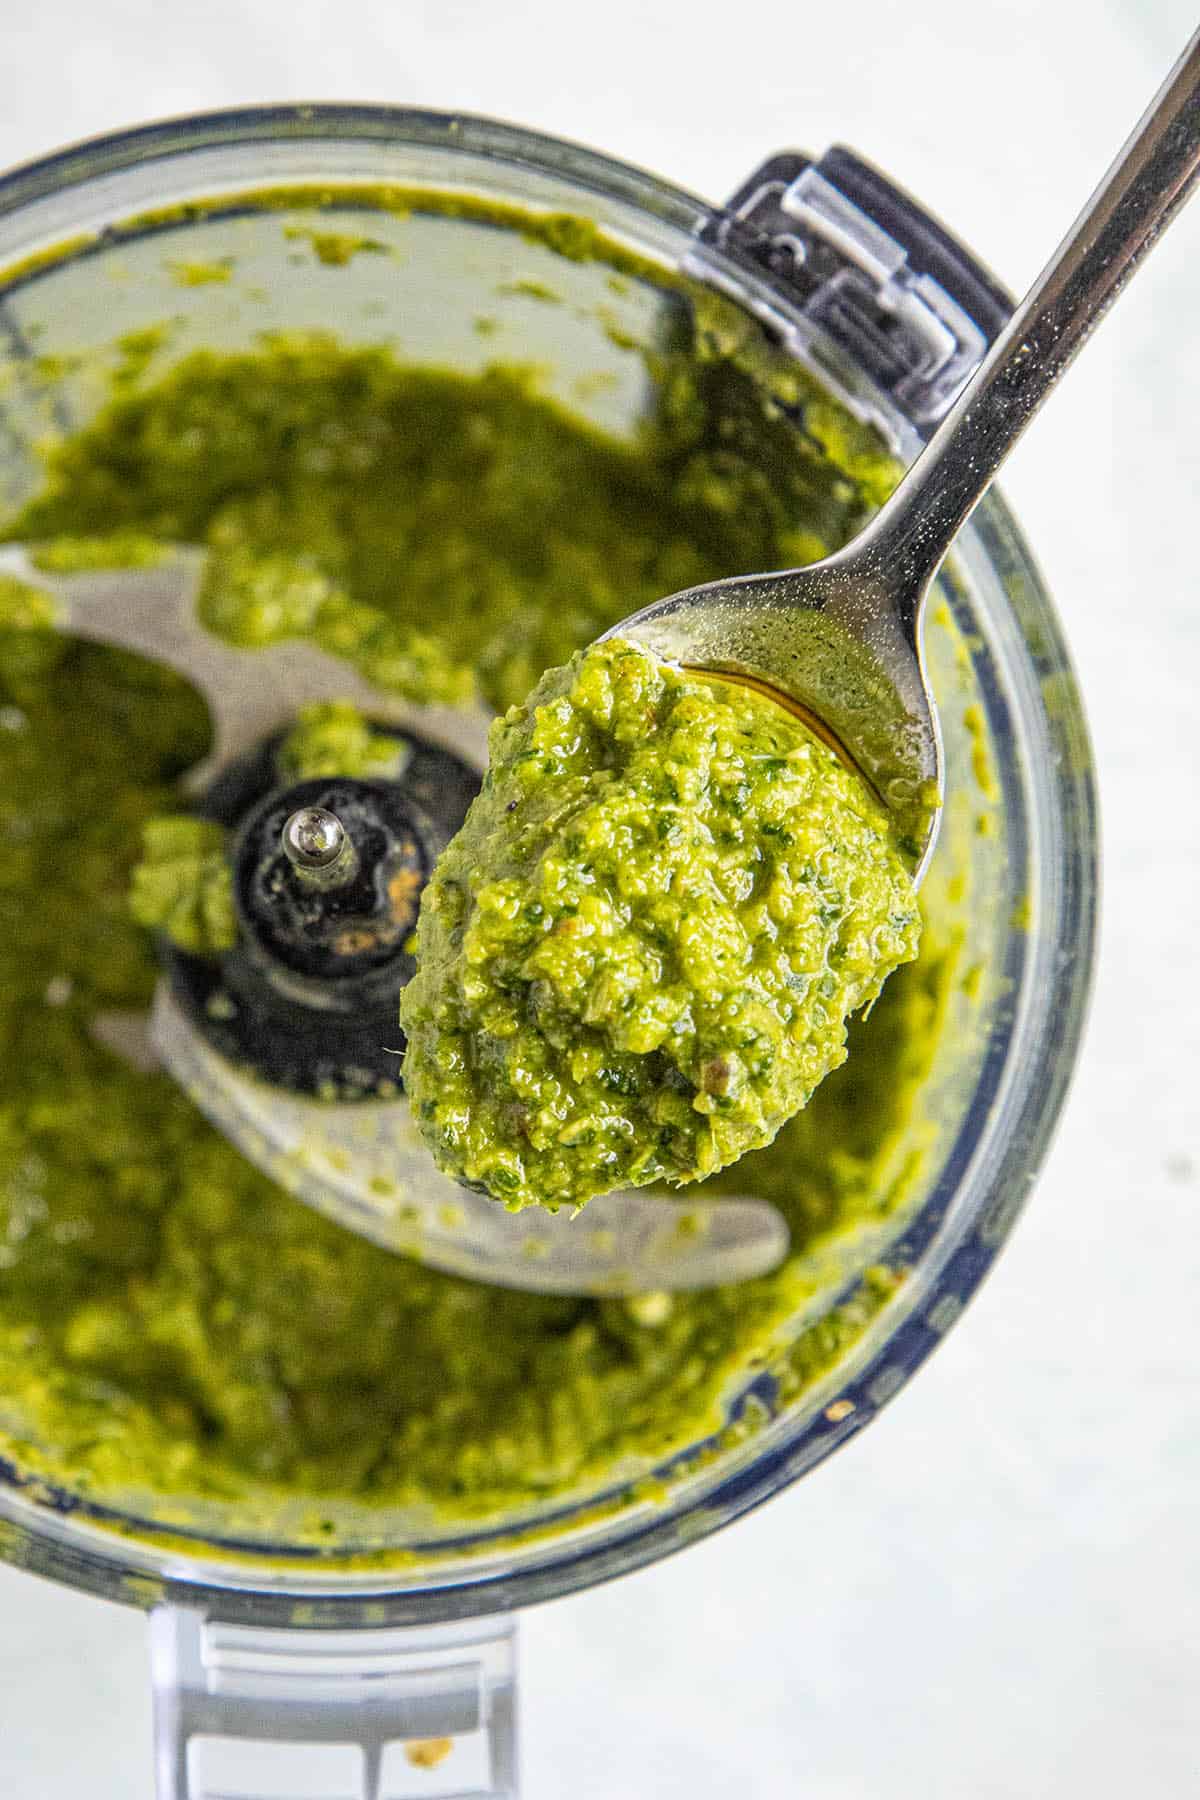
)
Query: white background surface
[{"x": 995, "y": 1592}]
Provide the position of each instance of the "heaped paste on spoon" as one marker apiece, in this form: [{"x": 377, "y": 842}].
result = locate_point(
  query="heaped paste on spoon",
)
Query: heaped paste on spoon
[
  {"x": 171, "y": 1323},
  {"x": 637, "y": 959}
]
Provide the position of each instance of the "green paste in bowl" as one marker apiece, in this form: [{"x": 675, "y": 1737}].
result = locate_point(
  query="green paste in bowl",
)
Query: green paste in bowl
[
  {"x": 637, "y": 959},
  {"x": 171, "y": 1323}
]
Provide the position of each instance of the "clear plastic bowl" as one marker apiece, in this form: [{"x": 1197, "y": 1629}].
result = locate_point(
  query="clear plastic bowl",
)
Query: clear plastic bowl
[{"x": 70, "y": 281}]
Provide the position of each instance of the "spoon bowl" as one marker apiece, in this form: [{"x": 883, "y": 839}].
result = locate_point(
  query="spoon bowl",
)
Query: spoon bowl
[{"x": 828, "y": 644}]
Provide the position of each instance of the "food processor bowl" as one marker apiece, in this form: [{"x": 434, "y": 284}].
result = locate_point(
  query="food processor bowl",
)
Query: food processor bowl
[{"x": 275, "y": 1639}]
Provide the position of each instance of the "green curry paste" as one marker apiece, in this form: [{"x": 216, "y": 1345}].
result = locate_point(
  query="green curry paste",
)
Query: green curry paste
[
  {"x": 183, "y": 884},
  {"x": 637, "y": 958},
  {"x": 171, "y": 1323}
]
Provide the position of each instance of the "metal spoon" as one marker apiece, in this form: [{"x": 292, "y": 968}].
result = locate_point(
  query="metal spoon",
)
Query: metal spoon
[{"x": 841, "y": 639}]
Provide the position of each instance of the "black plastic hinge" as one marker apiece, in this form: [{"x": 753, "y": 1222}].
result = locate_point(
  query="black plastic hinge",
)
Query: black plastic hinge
[{"x": 908, "y": 303}]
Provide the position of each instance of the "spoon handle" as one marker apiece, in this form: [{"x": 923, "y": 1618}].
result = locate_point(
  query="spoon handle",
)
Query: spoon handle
[{"x": 1146, "y": 186}]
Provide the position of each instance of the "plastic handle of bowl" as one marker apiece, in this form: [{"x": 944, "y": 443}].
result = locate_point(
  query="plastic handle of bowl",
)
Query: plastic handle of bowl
[
  {"x": 909, "y": 304},
  {"x": 243, "y": 1712}
]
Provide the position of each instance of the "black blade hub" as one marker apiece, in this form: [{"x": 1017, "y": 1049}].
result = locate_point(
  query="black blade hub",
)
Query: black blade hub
[{"x": 307, "y": 1000}]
